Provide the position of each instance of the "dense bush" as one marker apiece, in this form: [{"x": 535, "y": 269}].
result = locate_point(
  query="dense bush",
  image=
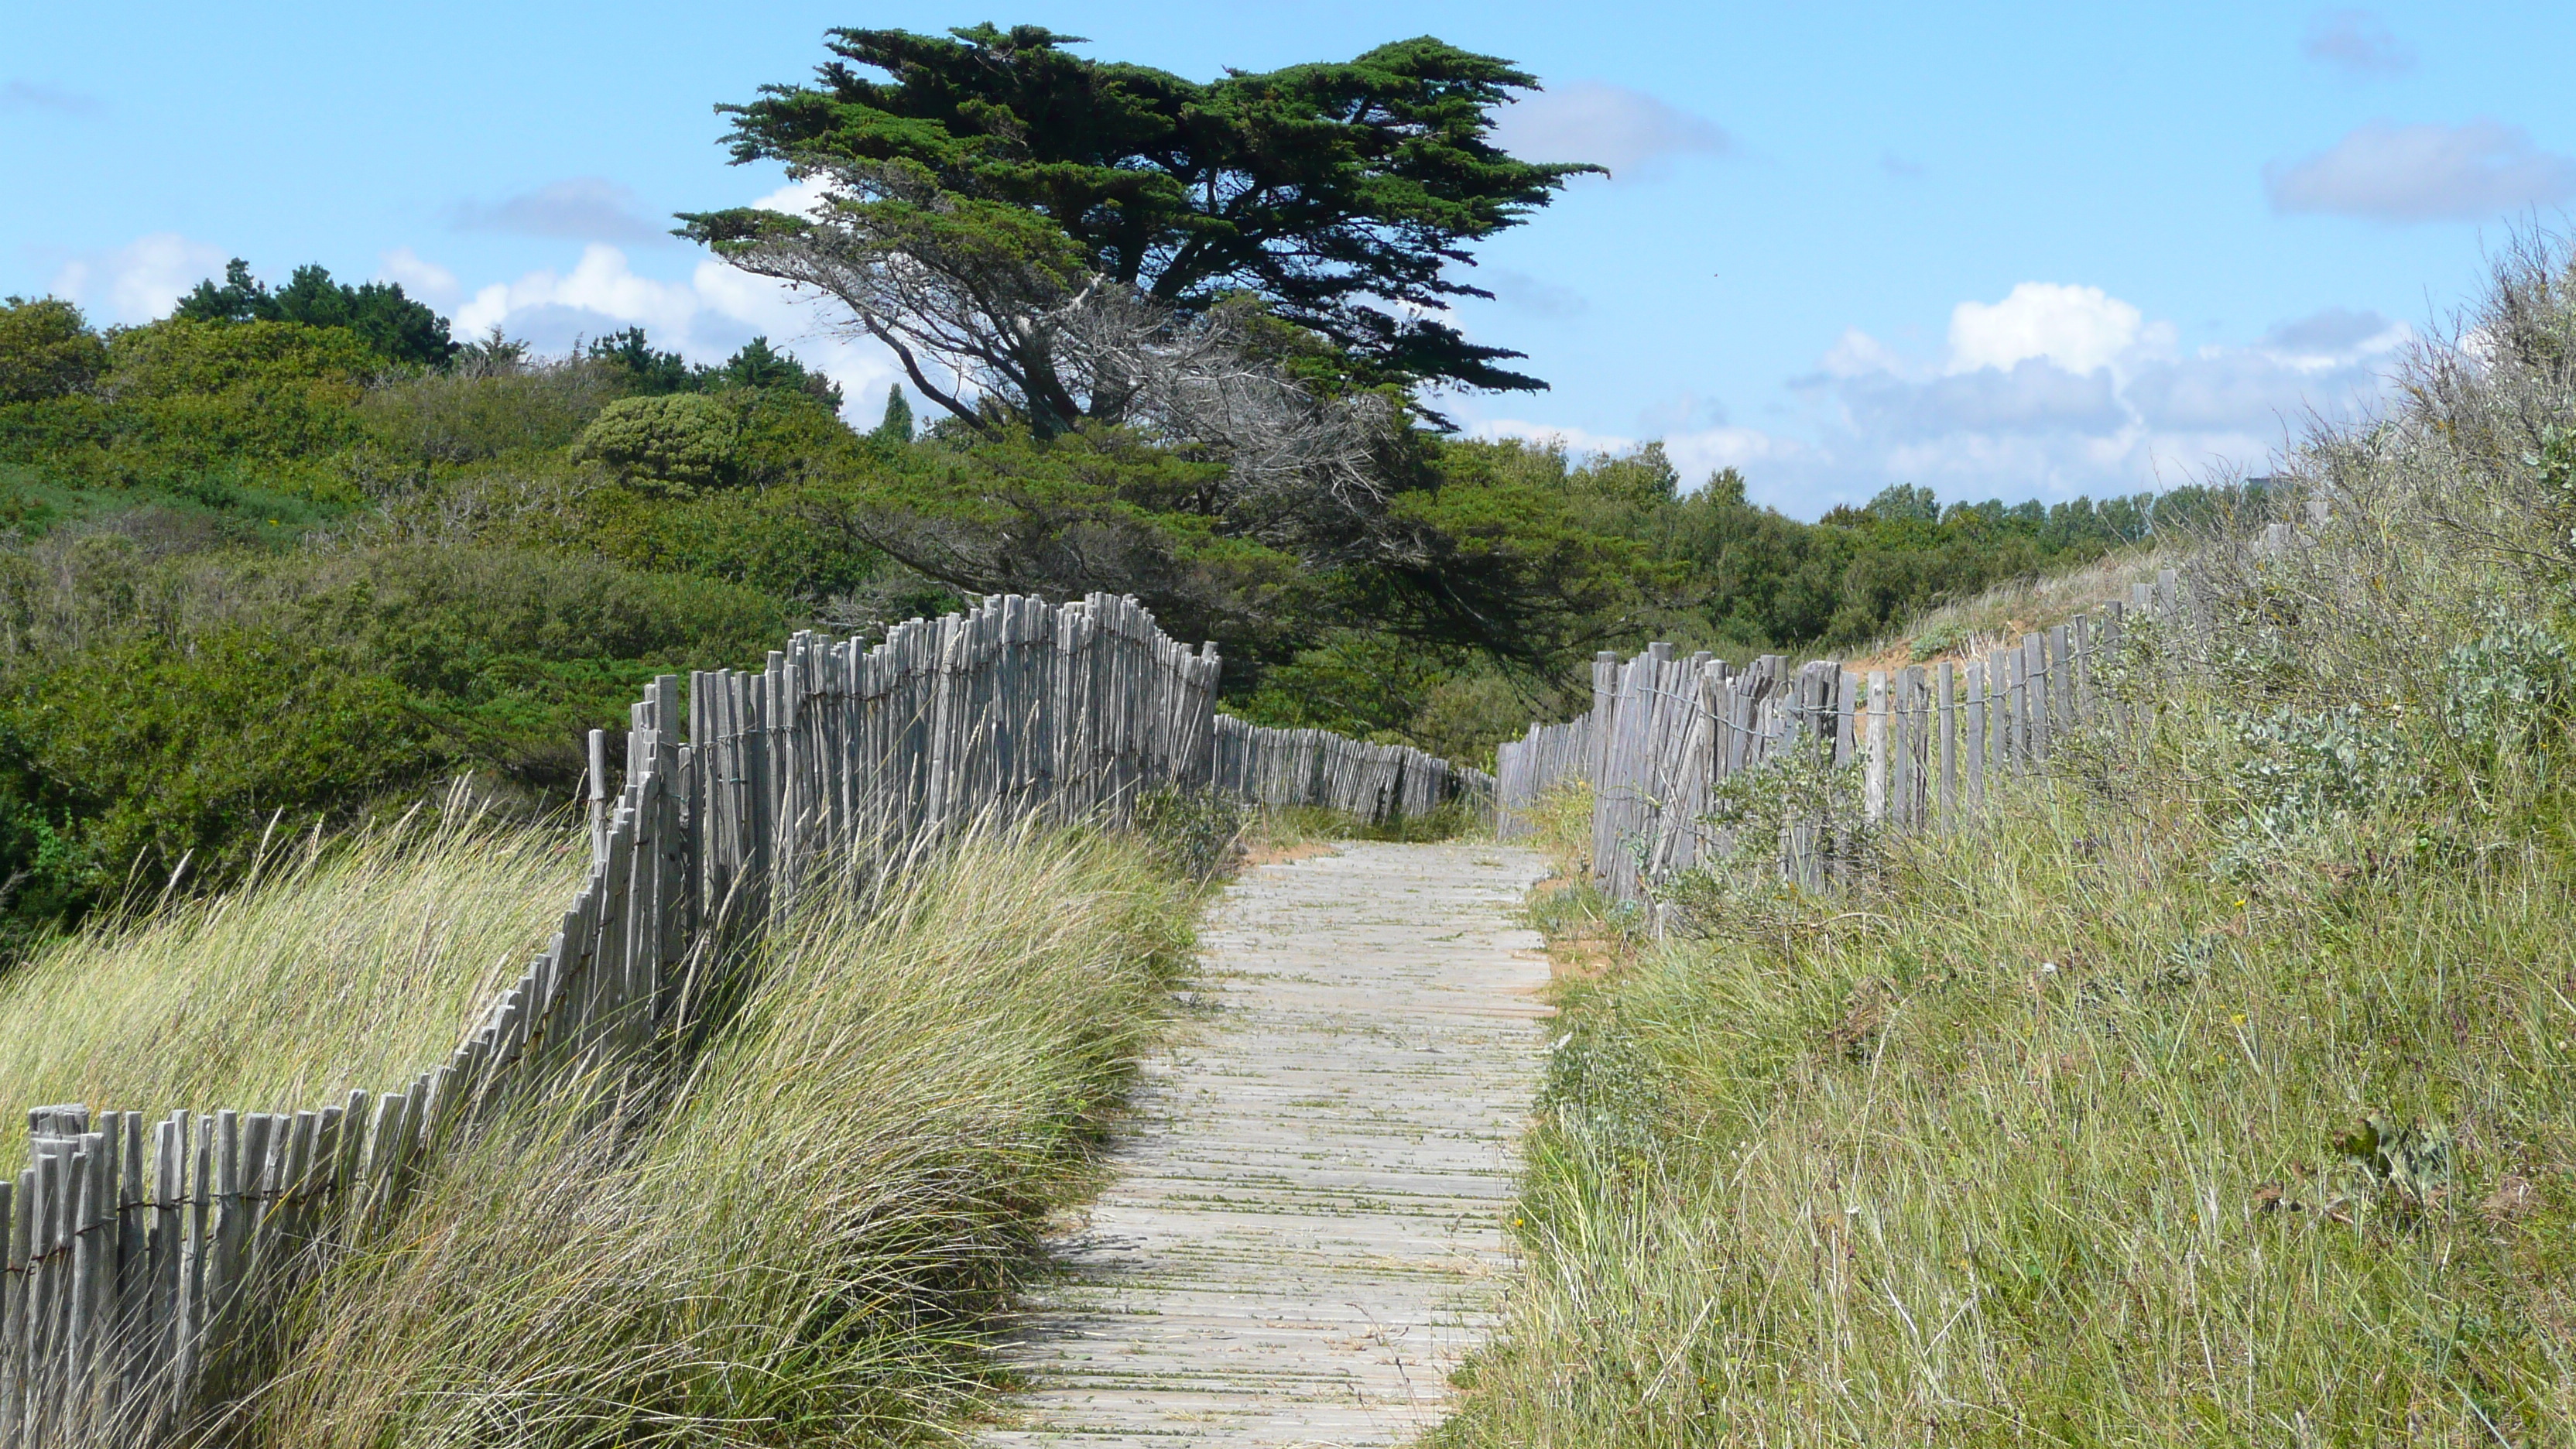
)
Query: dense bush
[
  {"x": 461, "y": 417},
  {"x": 391, "y": 324},
  {"x": 158, "y": 704},
  {"x": 674, "y": 444},
  {"x": 46, "y": 350},
  {"x": 199, "y": 407},
  {"x": 135, "y": 757}
]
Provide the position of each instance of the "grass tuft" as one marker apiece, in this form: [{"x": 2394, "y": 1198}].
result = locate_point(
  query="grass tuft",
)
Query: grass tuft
[
  {"x": 808, "y": 1239},
  {"x": 353, "y": 964}
]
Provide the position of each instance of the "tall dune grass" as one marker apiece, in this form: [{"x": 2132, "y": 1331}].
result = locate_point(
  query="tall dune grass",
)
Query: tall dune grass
[
  {"x": 2220, "y": 1090},
  {"x": 806, "y": 1243},
  {"x": 354, "y": 964}
]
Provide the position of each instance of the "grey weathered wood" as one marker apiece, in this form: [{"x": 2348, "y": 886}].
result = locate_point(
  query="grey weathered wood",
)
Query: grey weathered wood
[
  {"x": 13, "y": 1299},
  {"x": 2034, "y": 698},
  {"x": 2061, "y": 680},
  {"x": 1949, "y": 746},
  {"x": 1876, "y": 779},
  {"x": 1304, "y": 1228},
  {"x": 2080, "y": 676},
  {"x": 1976, "y": 742}
]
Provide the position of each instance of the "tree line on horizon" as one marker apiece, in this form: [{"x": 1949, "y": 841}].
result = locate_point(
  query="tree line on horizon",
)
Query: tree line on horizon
[{"x": 292, "y": 552}]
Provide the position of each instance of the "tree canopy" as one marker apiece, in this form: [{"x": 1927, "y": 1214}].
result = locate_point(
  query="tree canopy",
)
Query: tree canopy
[
  {"x": 651, "y": 372},
  {"x": 1343, "y": 196},
  {"x": 393, "y": 324},
  {"x": 46, "y": 349}
]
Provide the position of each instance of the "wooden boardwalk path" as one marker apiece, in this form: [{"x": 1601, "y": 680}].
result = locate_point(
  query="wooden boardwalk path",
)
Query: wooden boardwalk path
[{"x": 1305, "y": 1234}]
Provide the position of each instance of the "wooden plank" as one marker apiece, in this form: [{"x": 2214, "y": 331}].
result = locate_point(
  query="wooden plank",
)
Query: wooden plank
[
  {"x": 45, "y": 1271},
  {"x": 1874, "y": 793},
  {"x": 2013, "y": 731},
  {"x": 1976, "y": 741},
  {"x": 13, "y": 1305},
  {"x": 1847, "y": 699},
  {"x": 1949, "y": 746},
  {"x": 2080, "y": 636},
  {"x": 1904, "y": 771},
  {"x": 81, "y": 1341},
  {"x": 2061, "y": 682},
  {"x": 169, "y": 1230},
  {"x": 2034, "y": 697}
]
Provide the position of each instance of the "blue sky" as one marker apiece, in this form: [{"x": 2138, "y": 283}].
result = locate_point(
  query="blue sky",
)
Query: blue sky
[{"x": 2020, "y": 251}]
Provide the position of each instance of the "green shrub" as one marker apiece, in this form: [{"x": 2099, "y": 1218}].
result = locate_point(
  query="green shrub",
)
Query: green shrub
[
  {"x": 786, "y": 434},
  {"x": 1945, "y": 638},
  {"x": 155, "y": 705},
  {"x": 764, "y": 538},
  {"x": 2508, "y": 687},
  {"x": 376, "y": 312},
  {"x": 1197, "y": 835},
  {"x": 137, "y": 756},
  {"x": 672, "y": 444},
  {"x": 46, "y": 350},
  {"x": 456, "y": 418},
  {"x": 60, "y": 435},
  {"x": 177, "y": 357}
]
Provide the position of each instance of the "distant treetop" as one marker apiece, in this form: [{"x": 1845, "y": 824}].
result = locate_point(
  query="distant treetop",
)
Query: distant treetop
[
  {"x": 652, "y": 372},
  {"x": 393, "y": 324}
]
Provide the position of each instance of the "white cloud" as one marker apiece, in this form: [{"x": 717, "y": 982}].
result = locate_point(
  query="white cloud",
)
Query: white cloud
[
  {"x": 2076, "y": 328},
  {"x": 2356, "y": 42},
  {"x": 1698, "y": 454},
  {"x": 2051, "y": 391},
  {"x": 584, "y": 208},
  {"x": 1626, "y": 130},
  {"x": 424, "y": 279},
  {"x": 601, "y": 282},
  {"x": 797, "y": 198},
  {"x": 2031, "y": 396},
  {"x": 140, "y": 280},
  {"x": 2057, "y": 390},
  {"x": 1857, "y": 354},
  {"x": 704, "y": 317},
  {"x": 2393, "y": 173}
]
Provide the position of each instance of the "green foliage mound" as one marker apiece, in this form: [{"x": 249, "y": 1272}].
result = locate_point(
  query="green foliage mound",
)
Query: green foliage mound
[
  {"x": 46, "y": 350},
  {"x": 673, "y": 444}
]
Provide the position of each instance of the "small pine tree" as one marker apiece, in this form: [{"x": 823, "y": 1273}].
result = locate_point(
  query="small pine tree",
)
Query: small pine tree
[{"x": 896, "y": 427}]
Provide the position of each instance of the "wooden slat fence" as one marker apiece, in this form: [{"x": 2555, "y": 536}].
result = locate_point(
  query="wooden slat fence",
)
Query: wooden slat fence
[
  {"x": 1548, "y": 755},
  {"x": 145, "y": 1249},
  {"x": 1376, "y": 783},
  {"x": 1664, "y": 732}
]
